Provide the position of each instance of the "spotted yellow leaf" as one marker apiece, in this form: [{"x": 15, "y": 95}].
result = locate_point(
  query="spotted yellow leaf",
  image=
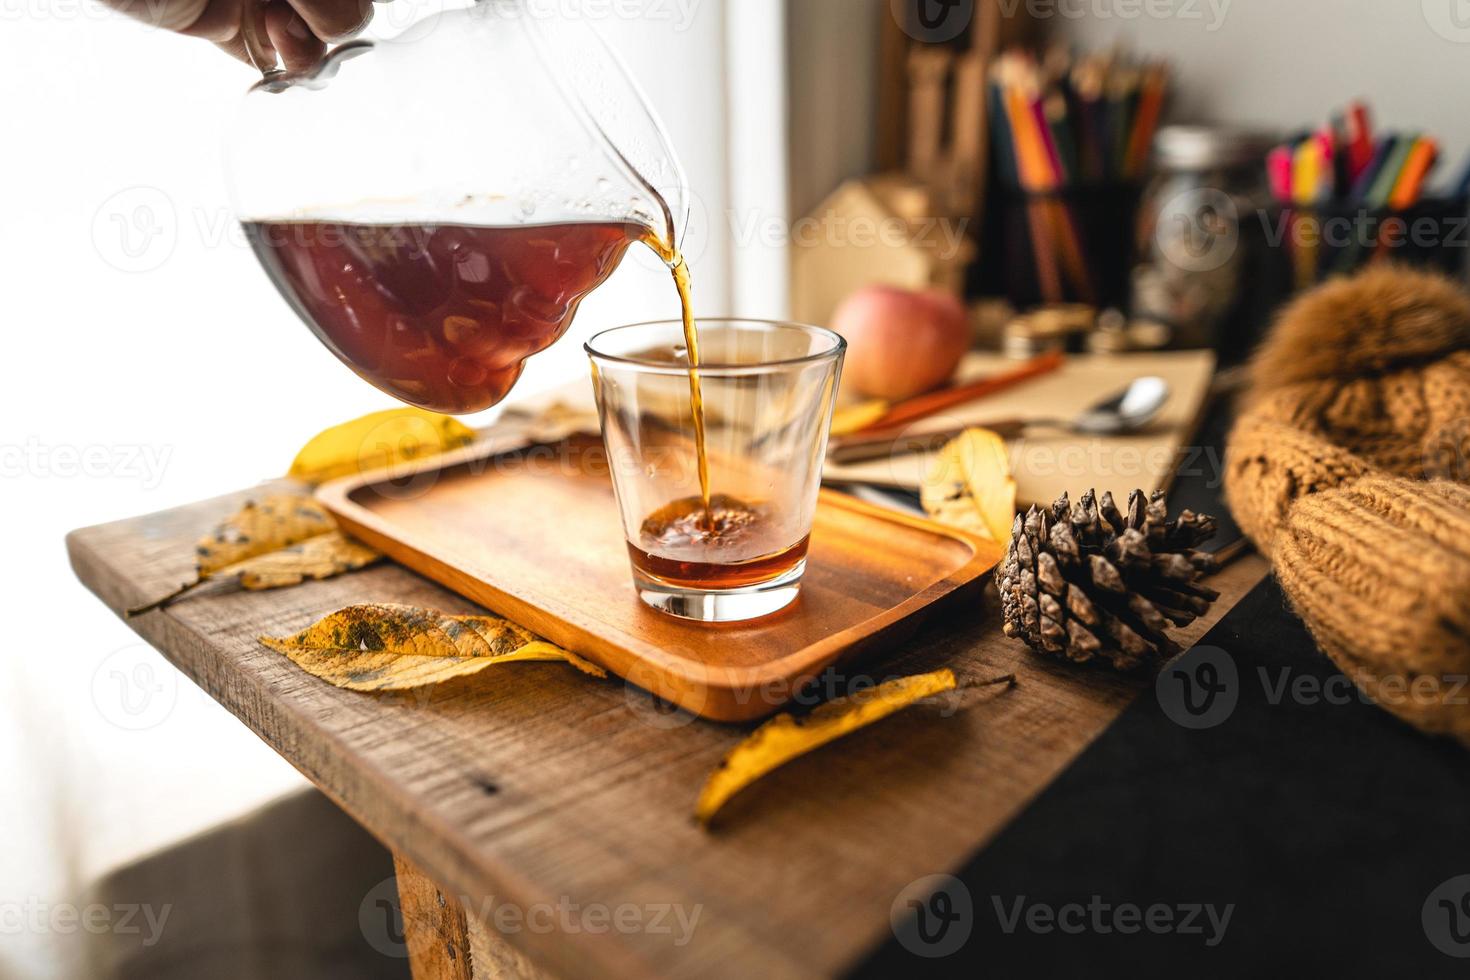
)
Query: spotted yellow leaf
[
  {"x": 969, "y": 485},
  {"x": 277, "y": 541},
  {"x": 382, "y": 439},
  {"x": 324, "y": 556},
  {"x": 260, "y": 527},
  {"x": 788, "y": 737},
  {"x": 386, "y": 647}
]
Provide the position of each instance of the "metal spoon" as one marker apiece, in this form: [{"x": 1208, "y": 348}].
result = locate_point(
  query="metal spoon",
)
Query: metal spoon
[{"x": 1126, "y": 411}]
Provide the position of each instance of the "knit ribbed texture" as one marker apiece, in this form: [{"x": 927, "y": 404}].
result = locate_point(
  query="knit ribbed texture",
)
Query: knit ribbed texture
[{"x": 1347, "y": 469}]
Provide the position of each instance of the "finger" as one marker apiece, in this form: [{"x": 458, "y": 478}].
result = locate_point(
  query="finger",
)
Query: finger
[
  {"x": 217, "y": 21},
  {"x": 334, "y": 20},
  {"x": 298, "y": 47},
  {"x": 175, "y": 15},
  {"x": 235, "y": 48}
]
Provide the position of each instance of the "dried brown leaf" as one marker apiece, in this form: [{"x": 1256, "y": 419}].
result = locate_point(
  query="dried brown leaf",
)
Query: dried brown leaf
[
  {"x": 280, "y": 540},
  {"x": 324, "y": 556},
  {"x": 385, "y": 647},
  {"x": 261, "y": 527}
]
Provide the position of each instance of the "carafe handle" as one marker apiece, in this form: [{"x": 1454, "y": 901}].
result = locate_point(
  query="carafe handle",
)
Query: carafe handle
[{"x": 252, "y": 32}]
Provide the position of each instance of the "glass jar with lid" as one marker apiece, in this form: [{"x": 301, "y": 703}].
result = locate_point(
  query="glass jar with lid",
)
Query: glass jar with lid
[{"x": 1208, "y": 182}]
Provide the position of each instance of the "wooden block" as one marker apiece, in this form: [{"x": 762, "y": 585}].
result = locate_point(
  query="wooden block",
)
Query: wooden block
[
  {"x": 892, "y": 111},
  {"x": 928, "y": 95},
  {"x": 933, "y": 250}
]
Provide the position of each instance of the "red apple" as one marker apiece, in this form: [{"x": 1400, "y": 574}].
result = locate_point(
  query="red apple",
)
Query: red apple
[{"x": 901, "y": 343}]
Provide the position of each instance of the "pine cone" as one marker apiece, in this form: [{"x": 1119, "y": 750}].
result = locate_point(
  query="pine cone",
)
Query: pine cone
[{"x": 1086, "y": 581}]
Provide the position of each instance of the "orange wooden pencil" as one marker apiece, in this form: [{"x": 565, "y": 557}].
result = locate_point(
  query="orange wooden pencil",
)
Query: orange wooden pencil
[
  {"x": 1410, "y": 183},
  {"x": 1150, "y": 104},
  {"x": 1030, "y": 157},
  {"x": 898, "y": 418}
]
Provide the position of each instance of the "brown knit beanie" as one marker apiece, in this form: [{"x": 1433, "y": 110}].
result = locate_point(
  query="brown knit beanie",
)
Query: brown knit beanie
[{"x": 1347, "y": 468}]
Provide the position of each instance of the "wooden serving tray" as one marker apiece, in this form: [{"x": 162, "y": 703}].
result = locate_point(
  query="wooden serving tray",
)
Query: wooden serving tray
[{"x": 534, "y": 534}]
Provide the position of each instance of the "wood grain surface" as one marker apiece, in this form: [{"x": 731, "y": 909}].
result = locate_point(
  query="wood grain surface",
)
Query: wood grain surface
[
  {"x": 536, "y": 537},
  {"x": 539, "y": 788},
  {"x": 435, "y": 930}
]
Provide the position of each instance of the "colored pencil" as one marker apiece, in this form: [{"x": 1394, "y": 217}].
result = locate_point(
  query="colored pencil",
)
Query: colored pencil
[
  {"x": 1054, "y": 167},
  {"x": 1031, "y": 164},
  {"x": 1360, "y": 139},
  {"x": 1064, "y": 122},
  {"x": 1278, "y": 173},
  {"x": 1388, "y": 177},
  {"x": 1345, "y": 163},
  {"x": 1326, "y": 188},
  {"x": 1410, "y": 184},
  {"x": 1375, "y": 166},
  {"x": 1005, "y": 147},
  {"x": 1068, "y": 167},
  {"x": 1150, "y": 105},
  {"x": 922, "y": 406},
  {"x": 1306, "y": 171}
]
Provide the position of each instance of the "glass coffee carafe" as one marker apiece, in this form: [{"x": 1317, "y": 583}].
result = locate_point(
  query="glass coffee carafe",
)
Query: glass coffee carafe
[{"x": 436, "y": 206}]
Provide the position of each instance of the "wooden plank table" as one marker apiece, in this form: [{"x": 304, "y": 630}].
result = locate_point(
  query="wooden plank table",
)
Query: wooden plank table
[{"x": 567, "y": 801}]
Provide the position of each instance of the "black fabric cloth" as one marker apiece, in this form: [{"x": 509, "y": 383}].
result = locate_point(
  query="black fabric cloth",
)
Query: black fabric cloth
[{"x": 1332, "y": 829}]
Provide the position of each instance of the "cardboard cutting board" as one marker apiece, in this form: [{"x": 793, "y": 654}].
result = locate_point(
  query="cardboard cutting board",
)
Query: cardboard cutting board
[{"x": 1048, "y": 462}]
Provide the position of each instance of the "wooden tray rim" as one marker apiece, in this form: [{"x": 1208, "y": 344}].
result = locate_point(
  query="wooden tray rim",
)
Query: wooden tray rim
[{"x": 364, "y": 523}]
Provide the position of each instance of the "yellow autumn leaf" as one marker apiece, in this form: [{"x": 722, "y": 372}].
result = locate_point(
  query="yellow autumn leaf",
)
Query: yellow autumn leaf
[
  {"x": 969, "y": 485},
  {"x": 270, "y": 524},
  {"x": 387, "y": 647},
  {"x": 382, "y": 439},
  {"x": 324, "y": 556},
  {"x": 280, "y": 540},
  {"x": 846, "y": 421},
  {"x": 787, "y": 737}
]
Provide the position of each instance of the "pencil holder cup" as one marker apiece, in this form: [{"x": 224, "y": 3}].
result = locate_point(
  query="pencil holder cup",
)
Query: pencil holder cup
[
  {"x": 1069, "y": 246},
  {"x": 1286, "y": 250},
  {"x": 1317, "y": 243}
]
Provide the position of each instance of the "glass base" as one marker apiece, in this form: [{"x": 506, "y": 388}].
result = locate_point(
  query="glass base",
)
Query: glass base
[{"x": 724, "y": 605}]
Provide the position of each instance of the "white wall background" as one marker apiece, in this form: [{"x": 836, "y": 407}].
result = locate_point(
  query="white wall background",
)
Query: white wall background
[
  {"x": 1288, "y": 63},
  {"x": 148, "y": 363},
  {"x": 831, "y": 61}
]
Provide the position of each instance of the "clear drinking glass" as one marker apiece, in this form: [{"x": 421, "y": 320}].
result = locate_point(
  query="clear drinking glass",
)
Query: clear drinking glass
[{"x": 768, "y": 391}]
